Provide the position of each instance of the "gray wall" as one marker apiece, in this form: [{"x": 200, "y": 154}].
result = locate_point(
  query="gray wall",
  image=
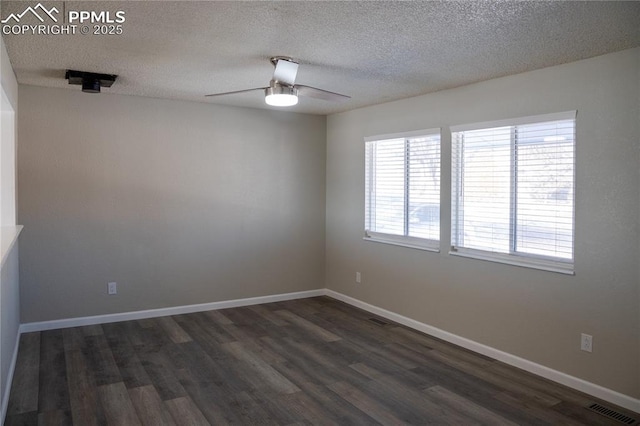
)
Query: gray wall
[
  {"x": 533, "y": 314},
  {"x": 178, "y": 202}
]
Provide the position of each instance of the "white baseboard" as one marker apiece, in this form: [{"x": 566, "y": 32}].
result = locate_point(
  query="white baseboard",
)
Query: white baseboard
[
  {"x": 7, "y": 389},
  {"x": 161, "y": 312},
  {"x": 532, "y": 367}
]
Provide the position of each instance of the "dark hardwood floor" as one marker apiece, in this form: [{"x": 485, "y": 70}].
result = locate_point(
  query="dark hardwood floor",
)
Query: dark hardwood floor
[{"x": 309, "y": 361}]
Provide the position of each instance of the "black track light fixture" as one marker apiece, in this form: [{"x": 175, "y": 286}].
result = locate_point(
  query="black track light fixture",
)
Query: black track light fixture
[{"x": 91, "y": 82}]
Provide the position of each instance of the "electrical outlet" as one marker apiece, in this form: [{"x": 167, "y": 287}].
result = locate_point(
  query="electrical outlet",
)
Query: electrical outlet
[
  {"x": 358, "y": 277},
  {"x": 112, "y": 288},
  {"x": 586, "y": 342}
]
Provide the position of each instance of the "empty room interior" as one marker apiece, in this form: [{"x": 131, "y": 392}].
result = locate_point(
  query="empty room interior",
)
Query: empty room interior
[{"x": 320, "y": 212}]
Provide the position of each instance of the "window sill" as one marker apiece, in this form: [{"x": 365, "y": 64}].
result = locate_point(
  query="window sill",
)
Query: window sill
[
  {"x": 533, "y": 263},
  {"x": 8, "y": 238},
  {"x": 428, "y": 245}
]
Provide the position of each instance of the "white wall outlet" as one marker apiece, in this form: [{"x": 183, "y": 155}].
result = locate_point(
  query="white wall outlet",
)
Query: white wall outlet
[
  {"x": 358, "y": 277},
  {"x": 586, "y": 342},
  {"x": 112, "y": 288}
]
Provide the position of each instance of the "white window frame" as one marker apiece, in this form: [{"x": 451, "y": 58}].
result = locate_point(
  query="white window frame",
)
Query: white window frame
[
  {"x": 406, "y": 240},
  {"x": 547, "y": 263}
]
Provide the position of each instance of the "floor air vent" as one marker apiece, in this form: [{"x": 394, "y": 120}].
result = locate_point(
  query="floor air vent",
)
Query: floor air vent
[
  {"x": 612, "y": 414},
  {"x": 378, "y": 321}
]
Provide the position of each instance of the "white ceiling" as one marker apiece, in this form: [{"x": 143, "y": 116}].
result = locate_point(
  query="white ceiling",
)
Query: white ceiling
[{"x": 373, "y": 51}]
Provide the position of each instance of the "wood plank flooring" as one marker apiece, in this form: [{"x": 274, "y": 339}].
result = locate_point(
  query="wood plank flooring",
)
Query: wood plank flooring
[{"x": 308, "y": 361}]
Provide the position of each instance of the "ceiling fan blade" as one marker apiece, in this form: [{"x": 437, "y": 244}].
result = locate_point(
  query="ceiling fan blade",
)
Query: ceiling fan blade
[
  {"x": 325, "y": 95},
  {"x": 285, "y": 72},
  {"x": 236, "y": 92}
]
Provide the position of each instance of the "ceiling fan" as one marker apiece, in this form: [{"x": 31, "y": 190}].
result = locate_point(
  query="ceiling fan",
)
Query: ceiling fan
[{"x": 282, "y": 90}]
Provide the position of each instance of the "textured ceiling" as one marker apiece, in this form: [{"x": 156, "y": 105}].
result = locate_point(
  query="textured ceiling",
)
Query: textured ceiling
[{"x": 372, "y": 51}]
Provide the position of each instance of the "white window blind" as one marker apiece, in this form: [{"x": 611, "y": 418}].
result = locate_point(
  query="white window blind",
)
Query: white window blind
[
  {"x": 402, "y": 187},
  {"x": 513, "y": 191}
]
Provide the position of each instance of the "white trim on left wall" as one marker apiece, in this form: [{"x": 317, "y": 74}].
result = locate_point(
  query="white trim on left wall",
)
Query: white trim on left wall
[
  {"x": 163, "y": 312},
  {"x": 12, "y": 369}
]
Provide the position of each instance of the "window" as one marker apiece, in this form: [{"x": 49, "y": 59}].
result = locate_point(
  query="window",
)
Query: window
[
  {"x": 513, "y": 191},
  {"x": 402, "y": 186}
]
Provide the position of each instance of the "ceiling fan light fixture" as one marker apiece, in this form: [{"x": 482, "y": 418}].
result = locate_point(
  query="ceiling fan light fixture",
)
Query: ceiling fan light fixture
[
  {"x": 280, "y": 96},
  {"x": 283, "y": 90}
]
